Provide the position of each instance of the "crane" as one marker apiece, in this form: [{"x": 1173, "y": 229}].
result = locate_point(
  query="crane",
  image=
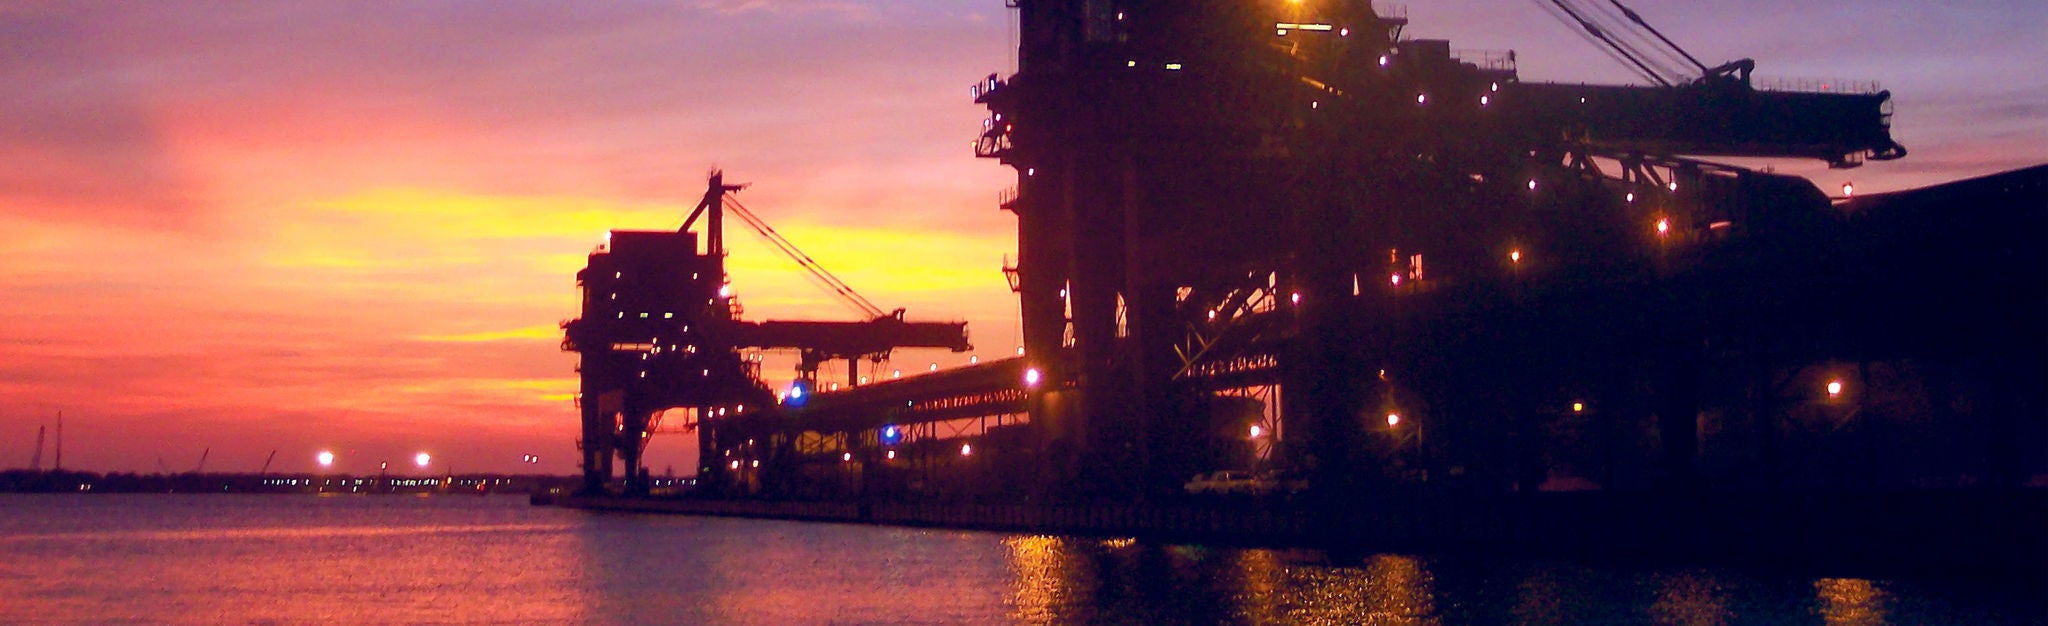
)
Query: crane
[
  {"x": 660, "y": 329},
  {"x": 36, "y": 463}
]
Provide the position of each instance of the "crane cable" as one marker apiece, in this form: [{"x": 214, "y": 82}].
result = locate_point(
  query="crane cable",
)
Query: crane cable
[
  {"x": 1620, "y": 32},
  {"x": 1658, "y": 54},
  {"x": 1638, "y": 19},
  {"x": 818, "y": 272},
  {"x": 1600, "y": 34}
]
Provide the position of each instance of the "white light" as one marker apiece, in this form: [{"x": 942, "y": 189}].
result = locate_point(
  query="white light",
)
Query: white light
[
  {"x": 1131, "y": 63},
  {"x": 1343, "y": 32},
  {"x": 935, "y": 367},
  {"x": 1483, "y": 100},
  {"x": 973, "y": 359},
  {"x": 1031, "y": 377},
  {"x": 896, "y": 374},
  {"x": 1515, "y": 256},
  {"x": 846, "y": 456},
  {"x": 1173, "y": 67},
  {"x": 1663, "y": 227},
  {"x": 892, "y": 455},
  {"x": 1631, "y": 196},
  {"x": 1396, "y": 279},
  {"x": 1256, "y": 431},
  {"x": 1496, "y": 87},
  {"x": 1578, "y": 407},
  {"x": 754, "y": 463},
  {"x": 1834, "y": 388},
  {"x": 1532, "y": 184},
  {"x": 1848, "y": 189},
  {"x": 1296, "y": 298},
  {"x": 966, "y": 450},
  {"x": 1020, "y": 350},
  {"x": 1672, "y": 186},
  {"x": 421, "y": 459},
  {"x": 735, "y": 465},
  {"x": 325, "y": 458},
  {"x": 1383, "y": 60},
  {"x": 725, "y": 291},
  {"x": 1393, "y": 419}
]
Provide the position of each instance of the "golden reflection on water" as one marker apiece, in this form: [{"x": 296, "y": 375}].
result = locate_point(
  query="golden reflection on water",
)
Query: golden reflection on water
[
  {"x": 1850, "y": 602},
  {"x": 1690, "y": 598},
  {"x": 1386, "y": 589},
  {"x": 1040, "y": 578}
]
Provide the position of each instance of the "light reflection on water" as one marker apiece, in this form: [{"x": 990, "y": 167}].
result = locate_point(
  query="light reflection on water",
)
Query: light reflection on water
[{"x": 294, "y": 559}]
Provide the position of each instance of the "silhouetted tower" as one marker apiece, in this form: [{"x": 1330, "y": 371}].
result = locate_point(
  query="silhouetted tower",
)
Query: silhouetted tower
[{"x": 1217, "y": 193}]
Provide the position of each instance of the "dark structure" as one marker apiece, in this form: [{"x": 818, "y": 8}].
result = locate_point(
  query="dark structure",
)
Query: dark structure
[
  {"x": 660, "y": 330},
  {"x": 1278, "y": 234}
]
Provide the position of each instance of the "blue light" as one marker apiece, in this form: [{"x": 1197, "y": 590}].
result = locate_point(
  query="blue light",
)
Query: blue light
[
  {"x": 798, "y": 393},
  {"x": 891, "y": 435}
]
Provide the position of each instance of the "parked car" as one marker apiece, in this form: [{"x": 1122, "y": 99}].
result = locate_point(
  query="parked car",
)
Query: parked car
[
  {"x": 1229, "y": 482},
  {"x": 1287, "y": 482}
]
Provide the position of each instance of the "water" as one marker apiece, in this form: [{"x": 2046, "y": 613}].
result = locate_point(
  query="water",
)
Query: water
[{"x": 288, "y": 559}]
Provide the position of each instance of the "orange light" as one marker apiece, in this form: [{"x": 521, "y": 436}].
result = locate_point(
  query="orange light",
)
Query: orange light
[{"x": 1663, "y": 227}]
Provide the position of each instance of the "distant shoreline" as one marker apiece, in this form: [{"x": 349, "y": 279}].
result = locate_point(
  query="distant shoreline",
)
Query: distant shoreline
[{"x": 68, "y": 481}]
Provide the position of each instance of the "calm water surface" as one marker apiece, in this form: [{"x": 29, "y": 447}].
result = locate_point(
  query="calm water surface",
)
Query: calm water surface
[{"x": 288, "y": 559}]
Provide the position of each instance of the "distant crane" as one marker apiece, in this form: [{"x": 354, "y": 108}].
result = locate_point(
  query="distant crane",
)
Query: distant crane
[
  {"x": 202, "y": 461},
  {"x": 36, "y": 462},
  {"x": 59, "y": 465},
  {"x": 266, "y": 464}
]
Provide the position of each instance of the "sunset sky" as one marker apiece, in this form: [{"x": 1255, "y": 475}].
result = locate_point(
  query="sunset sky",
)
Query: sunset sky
[{"x": 354, "y": 226}]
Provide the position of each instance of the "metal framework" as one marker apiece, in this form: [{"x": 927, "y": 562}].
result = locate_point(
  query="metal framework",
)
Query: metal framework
[{"x": 1402, "y": 264}]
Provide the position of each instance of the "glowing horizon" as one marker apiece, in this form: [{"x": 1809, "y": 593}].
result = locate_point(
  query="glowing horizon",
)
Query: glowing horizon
[{"x": 323, "y": 227}]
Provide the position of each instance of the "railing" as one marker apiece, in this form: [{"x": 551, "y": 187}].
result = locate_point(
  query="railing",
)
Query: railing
[
  {"x": 1818, "y": 85},
  {"x": 1497, "y": 60}
]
